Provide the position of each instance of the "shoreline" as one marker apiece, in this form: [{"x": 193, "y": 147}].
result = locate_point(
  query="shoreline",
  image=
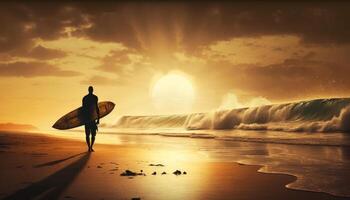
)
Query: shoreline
[
  {"x": 244, "y": 138},
  {"x": 132, "y": 156}
]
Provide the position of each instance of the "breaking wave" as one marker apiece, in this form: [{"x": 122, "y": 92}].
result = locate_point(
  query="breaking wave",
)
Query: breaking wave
[{"x": 320, "y": 115}]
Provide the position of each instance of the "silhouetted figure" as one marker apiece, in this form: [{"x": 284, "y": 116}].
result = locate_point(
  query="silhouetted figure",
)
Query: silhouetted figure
[{"x": 90, "y": 107}]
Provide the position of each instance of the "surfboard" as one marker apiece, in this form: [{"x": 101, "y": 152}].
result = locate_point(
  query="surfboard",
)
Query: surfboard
[{"x": 74, "y": 118}]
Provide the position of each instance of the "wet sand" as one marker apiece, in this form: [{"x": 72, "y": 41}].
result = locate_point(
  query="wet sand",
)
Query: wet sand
[{"x": 43, "y": 167}]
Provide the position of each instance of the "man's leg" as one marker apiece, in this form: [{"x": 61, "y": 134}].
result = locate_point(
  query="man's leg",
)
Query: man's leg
[
  {"x": 93, "y": 134},
  {"x": 87, "y": 134}
]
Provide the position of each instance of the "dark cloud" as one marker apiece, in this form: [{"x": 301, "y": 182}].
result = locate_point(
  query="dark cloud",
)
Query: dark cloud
[
  {"x": 151, "y": 25},
  {"x": 162, "y": 28},
  {"x": 191, "y": 25},
  {"x": 290, "y": 79},
  {"x": 22, "y": 22},
  {"x": 33, "y": 69},
  {"x": 111, "y": 27}
]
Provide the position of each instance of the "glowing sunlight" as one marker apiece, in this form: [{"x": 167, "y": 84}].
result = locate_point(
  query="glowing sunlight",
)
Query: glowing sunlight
[{"x": 173, "y": 93}]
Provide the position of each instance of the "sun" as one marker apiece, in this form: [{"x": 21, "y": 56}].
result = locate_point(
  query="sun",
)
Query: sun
[{"x": 173, "y": 93}]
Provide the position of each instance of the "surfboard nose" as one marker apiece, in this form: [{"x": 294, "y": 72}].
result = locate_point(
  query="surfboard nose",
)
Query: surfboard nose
[
  {"x": 112, "y": 105},
  {"x": 55, "y": 125}
]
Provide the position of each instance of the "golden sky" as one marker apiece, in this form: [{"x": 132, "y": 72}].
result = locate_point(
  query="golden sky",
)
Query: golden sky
[{"x": 228, "y": 52}]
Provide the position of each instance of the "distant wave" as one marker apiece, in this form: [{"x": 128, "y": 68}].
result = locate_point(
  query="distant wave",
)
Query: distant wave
[{"x": 320, "y": 115}]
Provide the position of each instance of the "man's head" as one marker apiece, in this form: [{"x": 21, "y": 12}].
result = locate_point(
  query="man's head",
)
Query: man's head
[{"x": 91, "y": 89}]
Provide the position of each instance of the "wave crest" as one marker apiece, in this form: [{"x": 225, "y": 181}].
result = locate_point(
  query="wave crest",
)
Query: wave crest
[{"x": 321, "y": 115}]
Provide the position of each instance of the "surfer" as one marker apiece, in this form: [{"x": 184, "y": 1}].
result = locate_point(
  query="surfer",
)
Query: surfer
[{"x": 89, "y": 108}]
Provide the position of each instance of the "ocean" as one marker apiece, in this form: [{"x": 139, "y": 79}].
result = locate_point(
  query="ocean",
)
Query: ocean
[{"x": 307, "y": 139}]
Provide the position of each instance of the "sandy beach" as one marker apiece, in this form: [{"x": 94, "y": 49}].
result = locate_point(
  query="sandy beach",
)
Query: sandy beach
[{"x": 38, "y": 166}]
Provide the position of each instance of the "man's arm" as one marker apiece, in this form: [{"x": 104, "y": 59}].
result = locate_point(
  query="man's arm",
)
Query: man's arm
[
  {"x": 83, "y": 104},
  {"x": 97, "y": 111}
]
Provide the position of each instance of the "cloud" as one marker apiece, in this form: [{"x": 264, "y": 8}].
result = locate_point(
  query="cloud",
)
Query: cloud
[
  {"x": 123, "y": 63},
  {"x": 33, "y": 69},
  {"x": 148, "y": 36},
  {"x": 17, "y": 127},
  {"x": 165, "y": 26},
  {"x": 40, "y": 52},
  {"x": 116, "y": 62},
  {"x": 23, "y": 22},
  {"x": 101, "y": 80},
  {"x": 85, "y": 47},
  {"x": 289, "y": 79},
  {"x": 149, "y": 26},
  {"x": 255, "y": 49},
  {"x": 112, "y": 26},
  {"x": 37, "y": 52}
]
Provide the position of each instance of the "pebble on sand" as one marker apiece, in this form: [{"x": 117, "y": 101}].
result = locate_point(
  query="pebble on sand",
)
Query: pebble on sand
[
  {"x": 177, "y": 172},
  {"x": 131, "y": 173},
  {"x": 163, "y": 173},
  {"x": 154, "y": 173},
  {"x": 156, "y": 165},
  {"x": 128, "y": 173}
]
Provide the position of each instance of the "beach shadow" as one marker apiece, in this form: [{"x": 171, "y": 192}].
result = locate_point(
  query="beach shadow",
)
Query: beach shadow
[
  {"x": 57, "y": 161},
  {"x": 52, "y": 186}
]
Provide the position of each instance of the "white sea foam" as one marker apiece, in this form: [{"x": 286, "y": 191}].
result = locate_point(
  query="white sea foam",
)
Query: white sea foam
[{"x": 321, "y": 115}]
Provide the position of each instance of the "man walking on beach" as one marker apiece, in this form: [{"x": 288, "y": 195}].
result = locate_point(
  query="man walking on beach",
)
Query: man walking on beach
[{"x": 89, "y": 108}]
